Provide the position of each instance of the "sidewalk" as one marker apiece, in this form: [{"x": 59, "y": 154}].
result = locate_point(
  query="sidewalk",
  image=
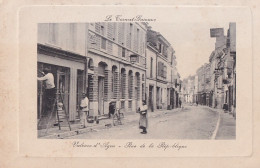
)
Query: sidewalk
[
  {"x": 227, "y": 126},
  {"x": 54, "y": 132}
]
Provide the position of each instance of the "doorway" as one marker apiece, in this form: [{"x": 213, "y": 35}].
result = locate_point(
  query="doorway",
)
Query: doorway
[
  {"x": 80, "y": 90},
  {"x": 100, "y": 95},
  {"x": 151, "y": 98},
  {"x": 62, "y": 84},
  {"x": 101, "y": 89}
]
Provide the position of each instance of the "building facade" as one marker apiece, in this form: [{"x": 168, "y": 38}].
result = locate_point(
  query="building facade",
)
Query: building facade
[
  {"x": 61, "y": 48},
  {"x": 121, "y": 62},
  {"x": 116, "y": 66},
  {"x": 223, "y": 69},
  {"x": 104, "y": 60},
  {"x": 163, "y": 79},
  {"x": 215, "y": 82},
  {"x": 188, "y": 90},
  {"x": 151, "y": 83}
]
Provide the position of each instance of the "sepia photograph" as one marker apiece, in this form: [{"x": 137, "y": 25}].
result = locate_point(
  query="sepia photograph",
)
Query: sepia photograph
[
  {"x": 129, "y": 84},
  {"x": 135, "y": 78}
]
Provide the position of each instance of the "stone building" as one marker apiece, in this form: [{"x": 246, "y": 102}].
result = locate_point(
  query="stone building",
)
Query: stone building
[
  {"x": 204, "y": 96},
  {"x": 215, "y": 82},
  {"x": 151, "y": 75},
  {"x": 223, "y": 69},
  {"x": 163, "y": 79},
  {"x": 116, "y": 66},
  {"x": 229, "y": 71}
]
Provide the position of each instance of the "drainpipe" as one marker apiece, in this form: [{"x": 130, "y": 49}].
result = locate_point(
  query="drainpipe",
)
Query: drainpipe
[
  {"x": 86, "y": 61},
  {"x": 85, "y": 76},
  {"x": 145, "y": 64}
]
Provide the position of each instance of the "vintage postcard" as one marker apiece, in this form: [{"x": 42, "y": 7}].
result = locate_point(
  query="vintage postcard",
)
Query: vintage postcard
[
  {"x": 163, "y": 83},
  {"x": 135, "y": 81}
]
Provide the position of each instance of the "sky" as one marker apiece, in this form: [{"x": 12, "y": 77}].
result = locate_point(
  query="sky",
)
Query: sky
[{"x": 191, "y": 41}]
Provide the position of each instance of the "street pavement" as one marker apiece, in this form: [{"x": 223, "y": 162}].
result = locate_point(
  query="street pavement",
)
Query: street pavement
[
  {"x": 227, "y": 127},
  {"x": 191, "y": 122}
]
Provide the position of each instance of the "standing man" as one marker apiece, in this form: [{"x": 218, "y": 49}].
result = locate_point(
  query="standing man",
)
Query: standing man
[
  {"x": 84, "y": 110},
  {"x": 49, "y": 93},
  {"x": 143, "y": 122}
]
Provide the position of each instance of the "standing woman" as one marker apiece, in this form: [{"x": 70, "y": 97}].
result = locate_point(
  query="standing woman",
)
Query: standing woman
[{"x": 143, "y": 122}]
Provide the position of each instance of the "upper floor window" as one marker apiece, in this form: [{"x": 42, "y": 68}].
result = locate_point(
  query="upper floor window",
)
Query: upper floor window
[
  {"x": 151, "y": 68},
  {"x": 102, "y": 30},
  {"x": 123, "y": 52},
  {"x": 138, "y": 39},
  {"x": 114, "y": 31},
  {"x": 162, "y": 70},
  {"x": 130, "y": 35},
  {"x": 160, "y": 48},
  {"x": 103, "y": 40},
  {"x": 103, "y": 43}
]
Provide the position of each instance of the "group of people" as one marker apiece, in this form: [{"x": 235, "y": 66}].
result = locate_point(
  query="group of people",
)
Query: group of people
[{"x": 49, "y": 97}]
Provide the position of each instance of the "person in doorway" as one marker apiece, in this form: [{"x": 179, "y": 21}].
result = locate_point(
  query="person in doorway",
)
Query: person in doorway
[
  {"x": 49, "y": 92},
  {"x": 84, "y": 111},
  {"x": 143, "y": 122}
]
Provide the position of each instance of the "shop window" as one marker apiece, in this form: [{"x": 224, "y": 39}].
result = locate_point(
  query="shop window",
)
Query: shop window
[{"x": 62, "y": 83}]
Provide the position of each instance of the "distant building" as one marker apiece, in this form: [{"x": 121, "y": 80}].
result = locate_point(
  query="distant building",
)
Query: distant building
[
  {"x": 188, "y": 89},
  {"x": 223, "y": 70}
]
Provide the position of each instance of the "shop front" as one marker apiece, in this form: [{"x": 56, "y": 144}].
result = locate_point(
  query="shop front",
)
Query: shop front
[{"x": 69, "y": 74}]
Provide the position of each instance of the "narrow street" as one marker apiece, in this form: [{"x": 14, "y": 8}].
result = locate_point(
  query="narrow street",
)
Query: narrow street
[{"x": 191, "y": 122}]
